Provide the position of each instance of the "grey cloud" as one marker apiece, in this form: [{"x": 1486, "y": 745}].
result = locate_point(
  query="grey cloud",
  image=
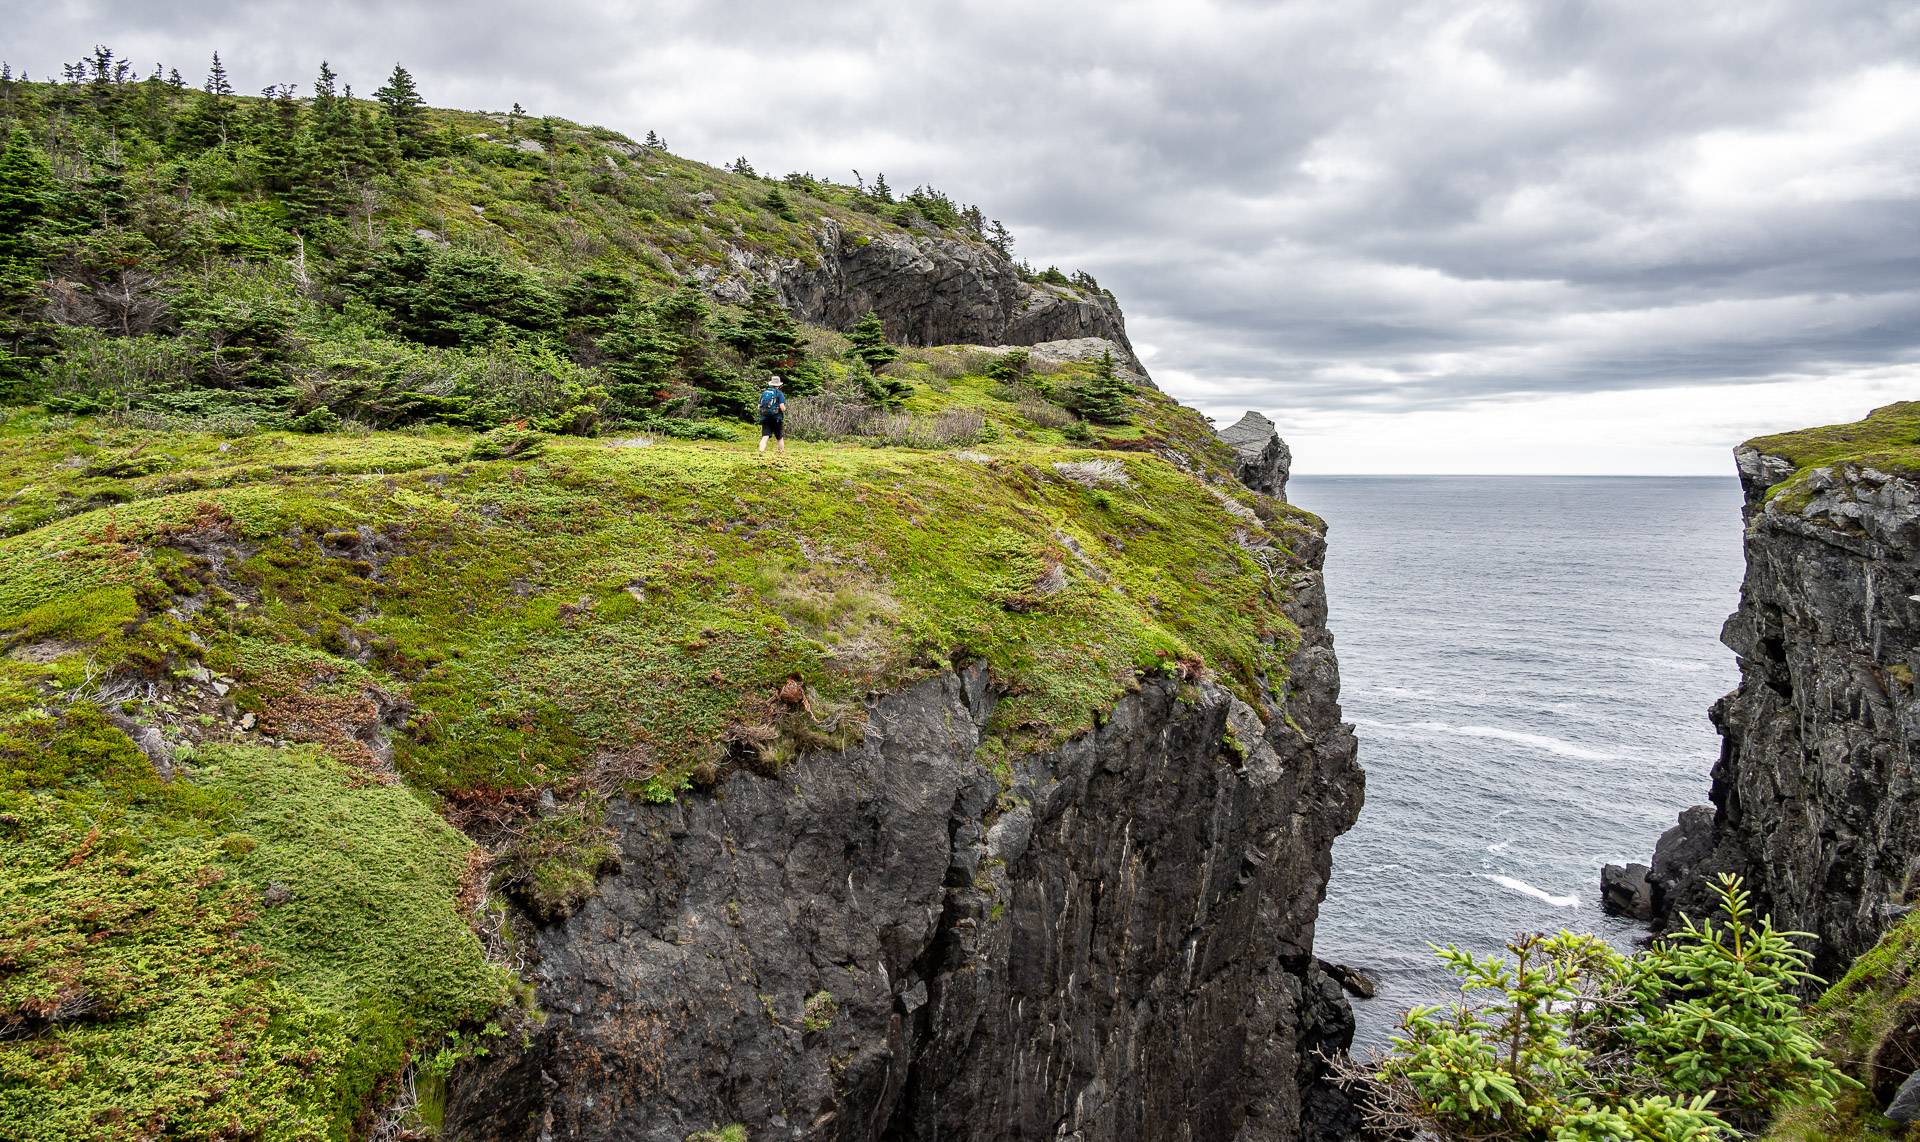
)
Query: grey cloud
[{"x": 1328, "y": 203}]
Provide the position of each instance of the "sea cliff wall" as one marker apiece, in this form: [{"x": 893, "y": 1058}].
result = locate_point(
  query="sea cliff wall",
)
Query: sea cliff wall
[
  {"x": 1815, "y": 793},
  {"x": 1111, "y": 940}
]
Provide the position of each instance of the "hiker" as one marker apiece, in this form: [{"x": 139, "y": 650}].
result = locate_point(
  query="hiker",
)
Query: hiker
[{"x": 773, "y": 414}]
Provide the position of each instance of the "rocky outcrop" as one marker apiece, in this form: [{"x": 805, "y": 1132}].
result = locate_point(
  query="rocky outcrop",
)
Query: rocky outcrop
[
  {"x": 935, "y": 290},
  {"x": 1625, "y": 891},
  {"x": 1815, "y": 793},
  {"x": 1109, "y": 941},
  {"x": 1263, "y": 460}
]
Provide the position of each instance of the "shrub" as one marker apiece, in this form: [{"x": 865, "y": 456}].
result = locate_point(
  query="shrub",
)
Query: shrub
[
  {"x": 829, "y": 417},
  {"x": 1106, "y": 398},
  {"x": 1575, "y": 1041},
  {"x": 450, "y": 296},
  {"x": 507, "y": 443},
  {"x": 92, "y": 372},
  {"x": 1009, "y": 366},
  {"x": 1040, "y": 414}
]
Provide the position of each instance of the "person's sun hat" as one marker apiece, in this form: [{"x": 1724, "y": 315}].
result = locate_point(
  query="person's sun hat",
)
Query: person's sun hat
[{"x": 775, "y": 382}]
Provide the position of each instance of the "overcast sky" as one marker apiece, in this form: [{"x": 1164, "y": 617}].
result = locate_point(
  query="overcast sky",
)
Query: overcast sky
[{"x": 1423, "y": 237}]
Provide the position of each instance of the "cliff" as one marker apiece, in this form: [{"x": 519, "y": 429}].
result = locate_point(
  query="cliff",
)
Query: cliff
[
  {"x": 424, "y": 711},
  {"x": 638, "y": 787},
  {"x": 1813, "y": 792},
  {"x": 919, "y": 937},
  {"x": 932, "y": 289},
  {"x": 1813, "y": 795}
]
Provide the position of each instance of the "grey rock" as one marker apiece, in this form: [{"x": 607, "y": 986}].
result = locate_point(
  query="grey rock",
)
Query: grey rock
[
  {"x": 1263, "y": 459},
  {"x": 1353, "y": 981},
  {"x": 531, "y": 146},
  {"x": 1905, "y": 1106},
  {"x": 1624, "y": 891},
  {"x": 1813, "y": 792},
  {"x": 1124, "y": 955},
  {"x": 1680, "y": 850},
  {"x": 935, "y": 290}
]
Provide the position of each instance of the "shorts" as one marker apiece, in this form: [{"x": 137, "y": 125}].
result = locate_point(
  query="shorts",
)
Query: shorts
[{"x": 773, "y": 424}]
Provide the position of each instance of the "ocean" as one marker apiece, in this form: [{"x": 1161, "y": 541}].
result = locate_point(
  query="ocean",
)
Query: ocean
[{"x": 1528, "y": 662}]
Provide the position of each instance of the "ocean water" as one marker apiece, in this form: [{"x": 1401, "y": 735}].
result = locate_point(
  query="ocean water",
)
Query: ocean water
[{"x": 1528, "y": 662}]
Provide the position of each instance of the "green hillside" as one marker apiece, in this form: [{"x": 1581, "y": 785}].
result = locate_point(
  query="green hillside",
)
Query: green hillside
[
  {"x": 292, "y": 259},
  {"x": 347, "y": 573}
]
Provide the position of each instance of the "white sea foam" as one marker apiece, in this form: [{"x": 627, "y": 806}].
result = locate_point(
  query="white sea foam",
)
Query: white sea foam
[
  {"x": 1679, "y": 665},
  {"x": 1502, "y": 847},
  {"x": 1559, "y": 747},
  {"x": 1525, "y": 889}
]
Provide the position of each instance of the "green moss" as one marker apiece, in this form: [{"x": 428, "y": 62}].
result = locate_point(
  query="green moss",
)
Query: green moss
[
  {"x": 1887, "y": 439},
  {"x": 820, "y": 1011},
  {"x": 149, "y": 981},
  {"x": 1868, "y": 1020},
  {"x": 555, "y": 862},
  {"x": 590, "y": 618}
]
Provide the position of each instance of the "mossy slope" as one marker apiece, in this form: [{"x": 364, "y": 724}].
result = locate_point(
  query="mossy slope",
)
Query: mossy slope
[
  {"x": 340, "y": 635},
  {"x": 1872, "y": 1024},
  {"x": 1887, "y": 439}
]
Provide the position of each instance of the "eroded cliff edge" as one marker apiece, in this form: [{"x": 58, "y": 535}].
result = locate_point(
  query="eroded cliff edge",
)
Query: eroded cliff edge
[
  {"x": 909, "y": 940},
  {"x": 1814, "y": 795}
]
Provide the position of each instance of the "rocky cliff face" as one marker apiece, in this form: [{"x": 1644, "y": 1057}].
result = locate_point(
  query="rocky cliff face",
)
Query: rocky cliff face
[
  {"x": 935, "y": 290},
  {"x": 1815, "y": 792},
  {"x": 1263, "y": 460},
  {"x": 909, "y": 940}
]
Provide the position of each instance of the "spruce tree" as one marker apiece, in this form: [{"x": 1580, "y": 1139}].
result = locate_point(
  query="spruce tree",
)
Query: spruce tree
[
  {"x": 881, "y": 190},
  {"x": 404, "y": 113},
  {"x": 217, "y": 107},
  {"x": 26, "y": 189},
  {"x": 769, "y": 334},
  {"x": 870, "y": 344},
  {"x": 999, "y": 238},
  {"x": 326, "y": 96},
  {"x": 1105, "y": 399},
  {"x": 640, "y": 359},
  {"x": 513, "y": 119},
  {"x": 276, "y": 131}
]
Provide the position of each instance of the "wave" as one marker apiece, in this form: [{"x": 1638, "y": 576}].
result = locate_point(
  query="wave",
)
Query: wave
[
  {"x": 1525, "y": 889},
  {"x": 1559, "y": 747},
  {"x": 1678, "y": 665},
  {"x": 1500, "y": 848}
]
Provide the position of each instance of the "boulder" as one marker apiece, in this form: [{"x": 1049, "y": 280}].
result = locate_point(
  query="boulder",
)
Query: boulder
[
  {"x": 1351, "y": 980},
  {"x": 1624, "y": 891},
  {"x": 1905, "y": 1106}
]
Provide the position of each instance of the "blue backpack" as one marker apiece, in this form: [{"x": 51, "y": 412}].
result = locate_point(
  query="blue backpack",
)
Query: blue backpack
[{"x": 770, "y": 401}]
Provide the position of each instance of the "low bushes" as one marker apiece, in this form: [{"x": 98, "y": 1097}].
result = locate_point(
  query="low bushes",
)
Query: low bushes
[{"x": 827, "y": 417}]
